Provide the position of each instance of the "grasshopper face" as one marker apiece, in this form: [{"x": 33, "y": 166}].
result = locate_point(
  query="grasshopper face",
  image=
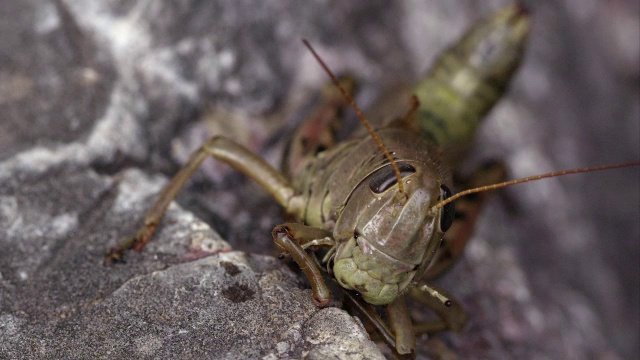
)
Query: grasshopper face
[{"x": 391, "y": 239}]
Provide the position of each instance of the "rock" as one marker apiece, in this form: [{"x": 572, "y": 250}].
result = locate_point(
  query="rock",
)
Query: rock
[
  {"x": 161, "y": 303},
  {"x": 94, "y": 92}
]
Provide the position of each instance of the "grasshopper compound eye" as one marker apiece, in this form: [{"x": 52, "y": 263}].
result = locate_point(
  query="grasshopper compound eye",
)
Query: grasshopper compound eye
[
  {"x": 386, "y": 177},
  {"x": 448, "y": 211}
]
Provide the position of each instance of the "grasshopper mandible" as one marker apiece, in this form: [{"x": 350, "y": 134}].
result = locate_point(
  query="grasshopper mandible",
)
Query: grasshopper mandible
[{"x": 380, "y": 205}]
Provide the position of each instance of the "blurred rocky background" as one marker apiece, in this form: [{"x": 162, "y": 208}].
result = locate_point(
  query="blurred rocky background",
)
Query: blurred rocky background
[{"x": 102, "y": 100}]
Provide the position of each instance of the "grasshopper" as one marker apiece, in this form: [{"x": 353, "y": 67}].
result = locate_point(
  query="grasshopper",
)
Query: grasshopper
[{"x": 376, "y": 212}]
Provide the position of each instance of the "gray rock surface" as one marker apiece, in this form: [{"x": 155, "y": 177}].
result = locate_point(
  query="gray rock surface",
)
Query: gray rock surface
[{"x": 95, "y": 93}]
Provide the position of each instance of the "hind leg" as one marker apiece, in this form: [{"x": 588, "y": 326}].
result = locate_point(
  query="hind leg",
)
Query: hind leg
[
  {"x": 225, "y": 150},
  {"x": 318, "y": 131}
]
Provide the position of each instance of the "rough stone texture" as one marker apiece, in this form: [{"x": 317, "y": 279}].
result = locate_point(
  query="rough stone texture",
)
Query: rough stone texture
[
  {"x": 94, "y": 92},
  {"x": 58, "y": 301}
]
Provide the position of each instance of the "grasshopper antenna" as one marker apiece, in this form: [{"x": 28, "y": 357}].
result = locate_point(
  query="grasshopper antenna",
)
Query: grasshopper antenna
[
  {"x": 364, "y": 121},
  {"x": 533, "y": 178}
]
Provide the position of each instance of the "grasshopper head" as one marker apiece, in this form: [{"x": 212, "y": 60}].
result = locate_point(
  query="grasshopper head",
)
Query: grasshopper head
[{"x": 383, "y": 240}]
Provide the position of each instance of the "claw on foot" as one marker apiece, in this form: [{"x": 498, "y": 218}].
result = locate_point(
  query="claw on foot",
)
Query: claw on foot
[
  {"x": 113, "y": 255},
  {"x": 116, "y": 253}
]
